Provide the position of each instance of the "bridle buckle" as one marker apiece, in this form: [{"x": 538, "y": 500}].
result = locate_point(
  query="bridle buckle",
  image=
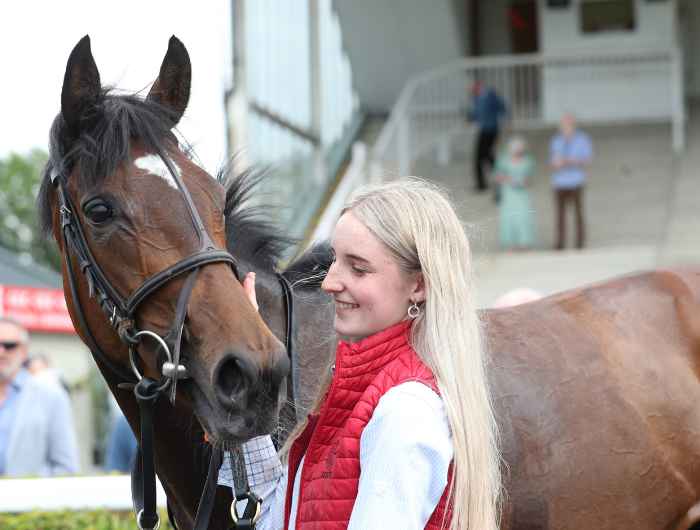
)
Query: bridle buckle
[{"x": 174, "y": 372}]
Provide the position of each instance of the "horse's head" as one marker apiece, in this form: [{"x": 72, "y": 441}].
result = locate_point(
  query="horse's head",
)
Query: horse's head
[{"x": 144, "y": 207}]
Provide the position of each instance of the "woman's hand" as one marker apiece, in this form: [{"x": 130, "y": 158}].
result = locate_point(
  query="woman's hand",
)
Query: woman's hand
[{"x": 249, "y": 288}]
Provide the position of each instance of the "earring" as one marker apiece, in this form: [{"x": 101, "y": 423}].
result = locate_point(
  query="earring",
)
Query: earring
[{"x": 413, "y": 310}]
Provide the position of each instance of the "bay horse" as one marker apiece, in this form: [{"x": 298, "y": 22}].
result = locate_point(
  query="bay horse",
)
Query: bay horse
[
  {"x": 596, "y": 389},
  {"x": 148, "y": 282}
]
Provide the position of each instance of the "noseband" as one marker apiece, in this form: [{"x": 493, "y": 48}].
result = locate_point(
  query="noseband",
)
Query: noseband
[{"x": 120, "y": 312}]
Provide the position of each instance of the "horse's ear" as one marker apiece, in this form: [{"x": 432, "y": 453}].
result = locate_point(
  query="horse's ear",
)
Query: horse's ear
[
  {"x": 172, "y": 88},
  {"x": 81, "y": 85}
]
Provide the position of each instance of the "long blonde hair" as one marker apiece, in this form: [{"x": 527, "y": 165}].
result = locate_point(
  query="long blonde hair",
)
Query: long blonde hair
[{"x": 418, "y": 224}]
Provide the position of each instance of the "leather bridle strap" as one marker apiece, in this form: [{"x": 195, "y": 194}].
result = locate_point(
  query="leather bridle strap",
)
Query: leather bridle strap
[
  {"x": 147, "y": 518},
  {"x": 293, "y": 387},
  {"x": 174, "y": 336},
  {"x": 68, "y": 243}
]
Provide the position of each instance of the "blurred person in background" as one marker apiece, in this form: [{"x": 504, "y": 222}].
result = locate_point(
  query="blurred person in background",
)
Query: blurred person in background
[
  {"x": 37, "y": 435},
  {"x": 571, "y": 153},
  {"x": 39, "y": 365},
  {"x": 513, "y": 172},
  {"x": 487, "y": 111},
  {"x": 121, "y": 442}
]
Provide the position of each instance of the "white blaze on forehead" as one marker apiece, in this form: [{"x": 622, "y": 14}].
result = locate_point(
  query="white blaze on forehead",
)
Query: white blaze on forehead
[{"x": 155, "y": 166}]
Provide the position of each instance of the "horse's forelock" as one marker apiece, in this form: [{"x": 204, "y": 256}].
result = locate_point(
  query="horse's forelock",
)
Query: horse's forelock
[{"x": 110, "y": 126}]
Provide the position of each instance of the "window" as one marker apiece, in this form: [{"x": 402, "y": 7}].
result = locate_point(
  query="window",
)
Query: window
[{"x": 607, "y": 15}]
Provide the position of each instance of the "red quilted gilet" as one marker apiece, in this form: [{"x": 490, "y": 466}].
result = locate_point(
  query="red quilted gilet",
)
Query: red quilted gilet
[{"x": 364, "y": 372}]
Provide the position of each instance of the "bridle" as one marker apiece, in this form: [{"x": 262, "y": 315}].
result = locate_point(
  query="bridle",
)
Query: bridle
[{"x": 120, "y": 311}]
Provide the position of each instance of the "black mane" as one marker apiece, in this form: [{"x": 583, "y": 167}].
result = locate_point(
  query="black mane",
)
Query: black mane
[
  {"x": 250, "y": 233},
  {"x": 108, "y": 128},
  {"x": 255, "y": 238},
  {"x": 309, "y": 269}
]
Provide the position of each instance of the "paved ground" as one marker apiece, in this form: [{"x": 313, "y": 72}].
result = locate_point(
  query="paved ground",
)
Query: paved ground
[{"x": 641, "y": 208}]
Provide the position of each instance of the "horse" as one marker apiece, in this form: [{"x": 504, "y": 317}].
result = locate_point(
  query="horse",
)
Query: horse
[
  {"x": 149, "y": 285},
  {"x": 595, "y": 389}
]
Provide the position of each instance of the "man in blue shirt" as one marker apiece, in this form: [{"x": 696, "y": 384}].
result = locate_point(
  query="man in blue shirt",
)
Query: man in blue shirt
[
  {"x": 487, "y": 111},
  {"x": 36, "y": 422},
  {"x": 570, "y": 155}
]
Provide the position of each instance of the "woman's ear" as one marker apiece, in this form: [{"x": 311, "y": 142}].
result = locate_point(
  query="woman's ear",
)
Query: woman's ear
[{"x": 418, "y": 294}]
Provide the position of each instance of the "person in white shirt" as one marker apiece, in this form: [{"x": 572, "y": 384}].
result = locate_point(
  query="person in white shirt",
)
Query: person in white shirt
[{"x": 403, "y": 434}]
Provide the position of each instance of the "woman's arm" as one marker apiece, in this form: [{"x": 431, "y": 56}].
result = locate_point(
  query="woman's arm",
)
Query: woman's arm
[{"x": 405, "y": 453}]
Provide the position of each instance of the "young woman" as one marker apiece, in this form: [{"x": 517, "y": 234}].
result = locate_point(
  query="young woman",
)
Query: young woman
[{"x": 404, "y": 435}]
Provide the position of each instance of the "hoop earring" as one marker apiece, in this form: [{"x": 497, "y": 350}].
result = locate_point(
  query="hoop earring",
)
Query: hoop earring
[{"x": 413, "y": 310}]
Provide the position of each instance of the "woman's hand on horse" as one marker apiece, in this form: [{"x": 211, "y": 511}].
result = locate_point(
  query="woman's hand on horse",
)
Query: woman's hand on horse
[{"x": 249, "y": 288}]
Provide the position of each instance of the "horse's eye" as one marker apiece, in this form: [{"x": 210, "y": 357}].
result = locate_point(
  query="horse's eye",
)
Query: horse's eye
[{"x": 98, "y": 211}]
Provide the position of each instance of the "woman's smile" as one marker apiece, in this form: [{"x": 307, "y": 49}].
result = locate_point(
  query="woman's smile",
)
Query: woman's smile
[{"x": 345, "y": 305}]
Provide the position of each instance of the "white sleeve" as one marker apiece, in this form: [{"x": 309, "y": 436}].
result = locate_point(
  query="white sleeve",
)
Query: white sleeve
[
  {"x": 405, "y": 453},
  {"x": 267, "y": 478}
]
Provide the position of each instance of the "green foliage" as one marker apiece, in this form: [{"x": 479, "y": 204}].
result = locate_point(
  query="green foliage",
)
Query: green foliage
[
  {"x": 66, "y": 520},
  {"x": 20, "y": 177}
]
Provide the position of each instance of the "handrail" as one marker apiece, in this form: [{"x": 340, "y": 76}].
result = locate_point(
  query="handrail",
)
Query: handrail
[{"x": 432, "y": 105}]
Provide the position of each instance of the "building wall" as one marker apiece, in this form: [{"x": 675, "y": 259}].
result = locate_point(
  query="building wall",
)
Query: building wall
[
  {"x": 559, "y": 29},
  {"x": 389, "y": 41},
  {"x": 613, "y": 92}
]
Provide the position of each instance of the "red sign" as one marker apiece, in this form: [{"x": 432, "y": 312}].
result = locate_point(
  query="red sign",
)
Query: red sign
[{"x": 36, "y": 308}]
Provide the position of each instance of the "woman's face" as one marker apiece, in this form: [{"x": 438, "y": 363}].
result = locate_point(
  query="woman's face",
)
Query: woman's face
[{"x": 371, "y": 292}]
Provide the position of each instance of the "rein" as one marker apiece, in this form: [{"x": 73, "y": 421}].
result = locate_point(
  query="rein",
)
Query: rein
[{"x": 120, "y": 313}]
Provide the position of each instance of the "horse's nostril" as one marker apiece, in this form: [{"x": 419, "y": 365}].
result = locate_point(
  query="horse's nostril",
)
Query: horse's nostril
[{"x": 234, "y": 377}]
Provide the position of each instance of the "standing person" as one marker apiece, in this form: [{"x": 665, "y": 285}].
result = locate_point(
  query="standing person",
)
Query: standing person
[
  {"x": 513, "y": 172},
  {"x": 37, "y": 436},
  {"x": 405, "y": 420},
  {"x": 122, "y": 446},
  {"x": 487, "y": 111},
  {"x": 571, "y": 152}
]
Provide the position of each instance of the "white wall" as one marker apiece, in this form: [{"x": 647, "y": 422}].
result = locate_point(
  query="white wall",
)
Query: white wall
[
  {"x": 613, "y": 92},
  {"x": 388, "y": 41},
  {"x": 560, "y": 29}
]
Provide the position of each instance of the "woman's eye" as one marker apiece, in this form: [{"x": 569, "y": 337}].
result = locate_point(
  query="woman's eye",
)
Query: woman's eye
[
  {"x": 358, "y": 270},
  {"x": 98, "y": 211}
]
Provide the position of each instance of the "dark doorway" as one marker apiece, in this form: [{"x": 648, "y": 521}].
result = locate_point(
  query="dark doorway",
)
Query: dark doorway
[{"x": 522, "y": 21}]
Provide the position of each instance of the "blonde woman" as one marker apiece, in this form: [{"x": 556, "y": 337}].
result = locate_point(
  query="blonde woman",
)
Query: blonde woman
[{"x": 404, "y": 436}]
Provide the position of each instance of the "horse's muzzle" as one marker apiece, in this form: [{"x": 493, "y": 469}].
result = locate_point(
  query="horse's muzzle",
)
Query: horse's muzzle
[{"x": 240, "y": 384}]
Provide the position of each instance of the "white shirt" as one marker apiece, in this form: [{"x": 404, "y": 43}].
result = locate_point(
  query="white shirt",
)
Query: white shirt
[{"x": 405, "y": 453}]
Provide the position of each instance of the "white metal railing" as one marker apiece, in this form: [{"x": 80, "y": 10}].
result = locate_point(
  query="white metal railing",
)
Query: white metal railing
[
  {"x": 634, "y": 86},
  {"x": 110, "y": 492}
]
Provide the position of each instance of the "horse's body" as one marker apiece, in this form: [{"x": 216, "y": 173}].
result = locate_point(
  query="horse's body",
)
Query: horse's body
[
  {"x": 596, "y": 389},
  {"x": 597, "y": 394}
]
